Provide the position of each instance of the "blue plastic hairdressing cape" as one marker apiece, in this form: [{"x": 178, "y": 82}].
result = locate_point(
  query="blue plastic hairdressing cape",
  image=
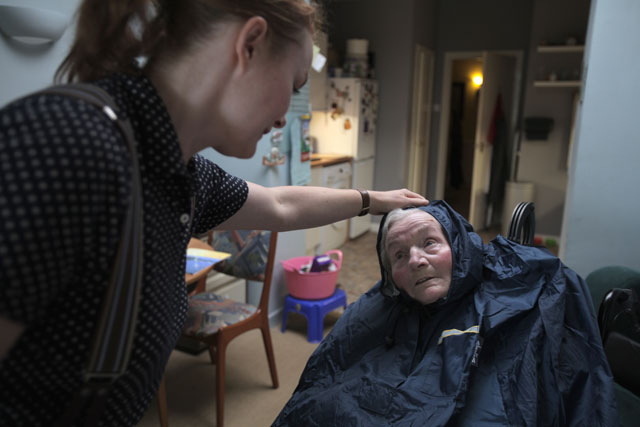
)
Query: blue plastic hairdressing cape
[{"x": 515, "y": 342}]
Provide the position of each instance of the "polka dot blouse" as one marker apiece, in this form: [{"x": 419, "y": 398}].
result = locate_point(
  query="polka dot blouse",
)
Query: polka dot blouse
[{"x": 64, "y": 189}]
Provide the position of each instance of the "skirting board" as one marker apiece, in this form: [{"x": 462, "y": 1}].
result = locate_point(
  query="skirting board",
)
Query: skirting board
[{"x": 275, "y": 317}]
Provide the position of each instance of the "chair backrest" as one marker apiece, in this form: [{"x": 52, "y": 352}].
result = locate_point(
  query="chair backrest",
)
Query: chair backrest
[
  {"x": 252, "y": 256},
  {"x": 600, "y": 282},
  {"x": 268, "y": 273},
  {"x": 523, "y": 224},
  {"x": 603, "y": 279}
]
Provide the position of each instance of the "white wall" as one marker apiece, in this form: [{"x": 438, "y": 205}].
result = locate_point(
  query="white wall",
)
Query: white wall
[
  {"x": 424, "y": 22},
  {"x": 392, "y": 28},
  {"x": 545, "y": 162},
  {"x": 522, "y": 25},
  {"x": 601, "y": 225},
  {"x": 465, "y": 26},
  {"x": 389, "y": 38},
  {"x": 25, "y": 69}
]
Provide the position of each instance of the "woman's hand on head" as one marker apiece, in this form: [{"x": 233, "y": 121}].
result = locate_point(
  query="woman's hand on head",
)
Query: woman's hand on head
[{"x": 385, "y": 201}]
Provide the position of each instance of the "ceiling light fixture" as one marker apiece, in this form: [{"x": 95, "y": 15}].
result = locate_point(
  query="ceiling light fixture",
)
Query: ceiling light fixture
[{"x": 30, "y": 25}]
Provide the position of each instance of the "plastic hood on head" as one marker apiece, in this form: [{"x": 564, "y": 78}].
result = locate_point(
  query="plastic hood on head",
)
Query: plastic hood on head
[
  {"x": 466, "y": 252},
  {"x": 514, "y": 342}
]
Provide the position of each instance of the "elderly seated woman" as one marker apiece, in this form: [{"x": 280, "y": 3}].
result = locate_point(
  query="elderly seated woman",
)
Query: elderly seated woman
[{"x": 462, "y": 333}]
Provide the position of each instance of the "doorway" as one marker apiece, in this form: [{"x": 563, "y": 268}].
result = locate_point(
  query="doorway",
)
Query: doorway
[
  {"x": 418, "y": 157},
  {"x": 463, "y": 112},
  {"x": 477, "y": 132}
]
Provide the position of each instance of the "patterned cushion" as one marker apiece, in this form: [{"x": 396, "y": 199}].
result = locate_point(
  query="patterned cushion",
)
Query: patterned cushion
[
  {"x": 249, "y": 251},
  {"x": 209, "y": 312}
]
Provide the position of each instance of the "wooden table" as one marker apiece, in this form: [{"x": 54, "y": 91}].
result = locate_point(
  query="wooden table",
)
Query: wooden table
[{"x": 328, "y": 159}]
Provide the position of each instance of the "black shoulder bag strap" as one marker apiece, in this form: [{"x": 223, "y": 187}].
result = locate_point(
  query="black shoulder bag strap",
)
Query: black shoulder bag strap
[{"x": 113, "y": 338}]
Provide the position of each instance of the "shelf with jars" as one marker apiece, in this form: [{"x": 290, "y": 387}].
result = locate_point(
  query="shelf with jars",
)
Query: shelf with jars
[{"x": 560, "y": 77}]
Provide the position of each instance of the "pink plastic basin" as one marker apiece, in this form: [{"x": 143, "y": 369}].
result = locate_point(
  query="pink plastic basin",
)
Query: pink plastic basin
[{"x": 311, "y": 285}]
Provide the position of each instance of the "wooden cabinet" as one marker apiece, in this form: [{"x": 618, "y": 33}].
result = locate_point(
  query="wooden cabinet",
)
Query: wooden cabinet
[
  {"x": 335, "y": 172},
  {"x": 314, "y": 235}
]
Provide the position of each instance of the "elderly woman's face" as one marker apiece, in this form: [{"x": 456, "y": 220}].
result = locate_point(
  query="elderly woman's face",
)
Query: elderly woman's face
[{"x": 420, "y": 257}]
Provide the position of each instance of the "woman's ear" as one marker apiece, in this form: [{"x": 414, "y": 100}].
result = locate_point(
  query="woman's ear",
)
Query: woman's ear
[{"x": 251, "y": 39}]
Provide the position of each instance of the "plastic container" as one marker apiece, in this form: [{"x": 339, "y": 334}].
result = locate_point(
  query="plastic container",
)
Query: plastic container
[
  {"x": 321, "y": 263},
  {"x": 311, "y": 285}
]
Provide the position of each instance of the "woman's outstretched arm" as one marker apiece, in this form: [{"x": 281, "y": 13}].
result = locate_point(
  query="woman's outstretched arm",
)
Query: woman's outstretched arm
[{"x": 296, "y": 207}]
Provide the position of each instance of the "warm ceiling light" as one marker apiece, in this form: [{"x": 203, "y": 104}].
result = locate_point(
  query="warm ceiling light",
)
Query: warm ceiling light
[{"x": 477, "y": 80}]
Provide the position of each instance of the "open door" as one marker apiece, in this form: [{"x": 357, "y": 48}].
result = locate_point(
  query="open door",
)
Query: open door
[
  {"x": 418, "y": 160},
  {"x": 498, "y": 74}
]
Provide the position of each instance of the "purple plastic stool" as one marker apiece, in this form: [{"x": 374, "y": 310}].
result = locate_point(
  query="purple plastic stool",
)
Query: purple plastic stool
[{"x": 314, "y": 311}]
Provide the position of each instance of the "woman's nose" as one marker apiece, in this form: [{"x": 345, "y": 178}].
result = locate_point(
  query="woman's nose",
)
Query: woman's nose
[
  {"x": 280, "y": 122},
  {"x": 417, "y": 257}
]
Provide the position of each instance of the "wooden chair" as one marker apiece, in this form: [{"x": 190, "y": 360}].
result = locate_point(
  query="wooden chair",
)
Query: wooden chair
[
  {"x": 522, "y": 227},
  {"x": 216, "y": 333}
]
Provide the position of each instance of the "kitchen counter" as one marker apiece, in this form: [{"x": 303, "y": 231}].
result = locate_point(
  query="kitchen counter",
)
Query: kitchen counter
[
  {"x": 328, "y": 159},
  {"x": 330, "y": 171}
]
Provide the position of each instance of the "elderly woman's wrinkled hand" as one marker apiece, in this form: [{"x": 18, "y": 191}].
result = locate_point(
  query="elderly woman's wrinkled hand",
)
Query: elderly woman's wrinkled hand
[{"x": 386, "y": 201}]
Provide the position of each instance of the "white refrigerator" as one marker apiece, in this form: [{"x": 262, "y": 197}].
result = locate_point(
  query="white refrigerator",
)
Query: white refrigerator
[{"x": 348, "y": 127}]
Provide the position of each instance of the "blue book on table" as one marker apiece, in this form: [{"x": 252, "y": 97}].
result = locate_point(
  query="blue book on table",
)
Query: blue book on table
[{"x": 199, "y": 259}]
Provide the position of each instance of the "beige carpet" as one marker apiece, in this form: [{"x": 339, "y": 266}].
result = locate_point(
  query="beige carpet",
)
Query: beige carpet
[{"x": 360, "y": 270}]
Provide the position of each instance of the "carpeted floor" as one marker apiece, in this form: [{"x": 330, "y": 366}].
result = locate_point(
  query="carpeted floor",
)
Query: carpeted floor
[
  {"x": 360, "y": 269},
  {"x": 250, "y": 399}
]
